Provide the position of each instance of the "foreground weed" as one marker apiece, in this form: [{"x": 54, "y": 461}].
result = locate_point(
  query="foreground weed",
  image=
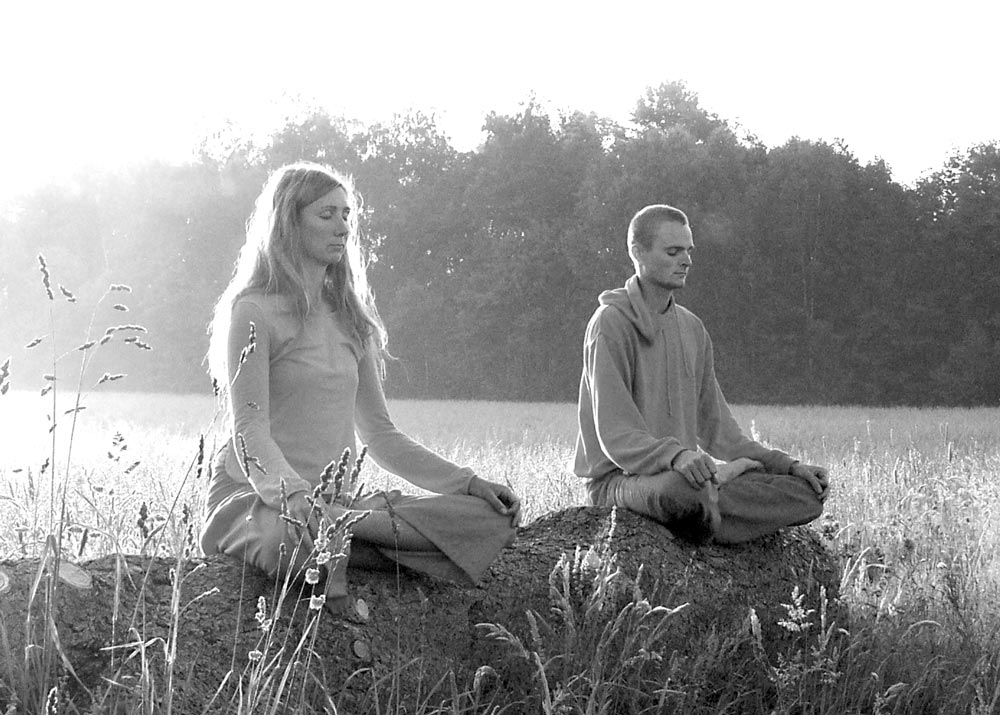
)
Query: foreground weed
[
  {"x": 806, "y": 667},
  {"x": 278, "y": 672},
  {"x": 593, "y": 654},
  {"x": 39, "y": 679}
]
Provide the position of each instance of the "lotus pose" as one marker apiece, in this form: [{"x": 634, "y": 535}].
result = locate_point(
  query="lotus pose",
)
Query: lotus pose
[
  {"x": 652, "y": 415},
  {"x": 297, "y": 350}
]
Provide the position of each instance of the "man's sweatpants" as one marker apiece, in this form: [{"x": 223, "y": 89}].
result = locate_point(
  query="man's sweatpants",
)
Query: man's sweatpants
[{"x": 750, "y": 505}]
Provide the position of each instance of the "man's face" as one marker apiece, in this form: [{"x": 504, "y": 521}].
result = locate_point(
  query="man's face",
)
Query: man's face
[{"x": 668, "y": 259}]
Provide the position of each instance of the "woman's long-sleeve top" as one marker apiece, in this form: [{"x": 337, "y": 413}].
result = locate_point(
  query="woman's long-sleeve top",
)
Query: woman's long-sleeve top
[{"x": 300, "y": 397}]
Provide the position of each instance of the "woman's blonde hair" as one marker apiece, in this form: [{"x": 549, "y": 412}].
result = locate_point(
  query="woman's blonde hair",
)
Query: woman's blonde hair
[{"x": 272, "y": 260}]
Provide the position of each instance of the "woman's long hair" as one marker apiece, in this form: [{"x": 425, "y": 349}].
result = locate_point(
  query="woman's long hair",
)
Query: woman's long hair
[{"x": 271, "y": 262}]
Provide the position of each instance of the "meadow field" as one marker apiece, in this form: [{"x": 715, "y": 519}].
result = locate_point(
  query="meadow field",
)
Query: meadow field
[{"x": 912, "y": 516}]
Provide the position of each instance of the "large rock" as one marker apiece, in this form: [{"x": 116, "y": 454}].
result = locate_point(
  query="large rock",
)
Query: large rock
[{"x": 407, "y": 631}]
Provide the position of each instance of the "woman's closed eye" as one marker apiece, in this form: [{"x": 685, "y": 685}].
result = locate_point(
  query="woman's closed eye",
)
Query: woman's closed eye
[{"x": 328, "y": 214}]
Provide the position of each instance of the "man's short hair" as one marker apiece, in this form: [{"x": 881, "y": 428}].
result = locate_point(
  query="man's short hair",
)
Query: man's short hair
[{"x": 647, "y": 220}]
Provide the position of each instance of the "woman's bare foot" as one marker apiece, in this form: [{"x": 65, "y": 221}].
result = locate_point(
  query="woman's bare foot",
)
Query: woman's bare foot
[{"x": 338, "y": 606}]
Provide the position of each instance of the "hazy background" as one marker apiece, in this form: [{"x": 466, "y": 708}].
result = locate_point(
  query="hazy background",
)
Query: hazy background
[{"x": 839, "y": 164}]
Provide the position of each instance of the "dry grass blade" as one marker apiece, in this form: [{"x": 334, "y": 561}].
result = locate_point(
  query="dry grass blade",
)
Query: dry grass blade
[{"x": 53, "y": 633}]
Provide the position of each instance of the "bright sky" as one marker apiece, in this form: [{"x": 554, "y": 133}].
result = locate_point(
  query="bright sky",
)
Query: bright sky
[{"x": 106, "y": 83}]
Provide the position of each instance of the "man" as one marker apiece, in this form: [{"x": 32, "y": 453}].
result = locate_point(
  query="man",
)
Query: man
[{"x": 649, "y": 400}]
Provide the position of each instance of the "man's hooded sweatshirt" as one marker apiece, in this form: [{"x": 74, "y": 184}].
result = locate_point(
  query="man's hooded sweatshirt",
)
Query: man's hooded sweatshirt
[{"x": 648, "y": 391}]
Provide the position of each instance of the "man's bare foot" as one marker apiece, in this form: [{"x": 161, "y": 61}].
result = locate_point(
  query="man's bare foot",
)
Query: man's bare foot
[
  {"x": 727, "y": 471},
  {"x": 714, "y": 517}
]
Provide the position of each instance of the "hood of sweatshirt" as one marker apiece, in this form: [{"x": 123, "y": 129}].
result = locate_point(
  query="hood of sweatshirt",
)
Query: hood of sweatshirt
[{"x": 629, "y": 301}]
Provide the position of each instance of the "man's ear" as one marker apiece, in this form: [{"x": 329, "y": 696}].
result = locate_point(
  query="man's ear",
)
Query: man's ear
[{"x": 635, "y": 251}]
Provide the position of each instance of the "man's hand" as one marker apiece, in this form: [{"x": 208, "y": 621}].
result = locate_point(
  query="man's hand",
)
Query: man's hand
[
  {"x": 727, "y": 471},
  {"x": 818, "y": 478},
  {"x": 697, "y": 468},
  {"x": 500, "y": 497}
]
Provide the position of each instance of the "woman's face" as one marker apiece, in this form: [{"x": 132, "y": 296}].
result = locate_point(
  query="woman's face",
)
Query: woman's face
[{"x": 326, "y": 228}]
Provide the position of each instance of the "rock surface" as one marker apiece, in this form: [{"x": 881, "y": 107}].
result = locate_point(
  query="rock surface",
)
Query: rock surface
[{"x": 406, "y": 630}]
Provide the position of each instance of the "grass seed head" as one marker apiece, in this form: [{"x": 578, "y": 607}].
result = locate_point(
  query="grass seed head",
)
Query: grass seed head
[
  {"x": 283, "y": 490},
  {"x": 200, "y": 459},
  {"x": 246, "y": 459},
  {"x": 143, "y": 521},
  {"x": 189, "y": 538},
  {"x": 110, "y": 377},
  {"x": 251, "y": 347},
  {"x": 358, "y": 464},
  {"x": 392, "y": 514},
  {"x": 334, "y": 473},
  {"x": 46, "y": 278}
]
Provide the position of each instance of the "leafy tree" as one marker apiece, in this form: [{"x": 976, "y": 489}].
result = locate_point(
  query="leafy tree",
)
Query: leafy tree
[
  {"x": 672, "y": 105},
  {"x": 820, "y": 279},
  {"x": 830, "y": 243},
  {"x": 956, "y": 272},
  {"x": 968, "y": 375}
]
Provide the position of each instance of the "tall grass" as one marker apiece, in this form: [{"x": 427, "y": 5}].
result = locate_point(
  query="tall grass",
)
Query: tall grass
[
  {"x": 64, "y": 506},
  {"x": 912, "y": 516}
]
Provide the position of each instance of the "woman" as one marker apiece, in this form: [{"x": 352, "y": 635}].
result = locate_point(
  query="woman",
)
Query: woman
[{"x": 297, "y": 349}]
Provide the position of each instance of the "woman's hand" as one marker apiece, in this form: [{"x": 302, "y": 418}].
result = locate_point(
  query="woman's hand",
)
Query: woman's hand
[
  {"x": 499, "y": 496},
  {"x": 299, "y": 507}
]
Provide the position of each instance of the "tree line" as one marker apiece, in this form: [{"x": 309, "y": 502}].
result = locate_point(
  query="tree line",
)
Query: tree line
[{"x": 820, "y": 278}]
